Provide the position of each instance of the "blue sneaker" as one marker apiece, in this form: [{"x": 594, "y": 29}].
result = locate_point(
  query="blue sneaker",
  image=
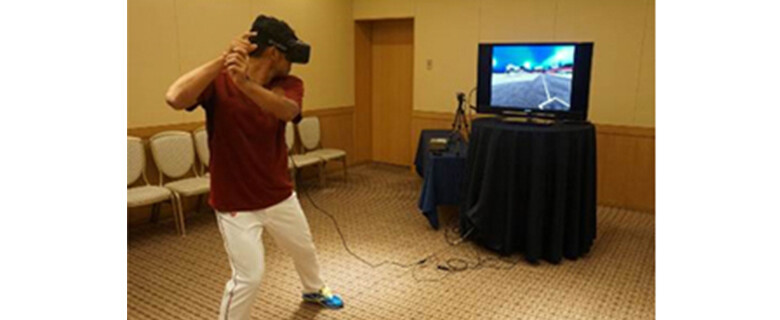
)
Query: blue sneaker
[{"x": 325, "y": 298}]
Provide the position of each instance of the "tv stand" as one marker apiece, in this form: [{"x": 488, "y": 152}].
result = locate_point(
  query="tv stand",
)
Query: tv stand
[
  {"x": 534, "y": 118},
  {"x": 528, "y": 120}
]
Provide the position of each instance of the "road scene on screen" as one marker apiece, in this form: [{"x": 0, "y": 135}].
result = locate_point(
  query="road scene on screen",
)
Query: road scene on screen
[{"x": 532, "y": 77}]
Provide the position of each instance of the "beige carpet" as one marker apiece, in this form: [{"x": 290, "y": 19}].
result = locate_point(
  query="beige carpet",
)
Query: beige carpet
[{"x": 171, "y": 277}]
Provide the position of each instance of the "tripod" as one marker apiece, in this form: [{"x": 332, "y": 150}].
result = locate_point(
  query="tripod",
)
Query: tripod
[{"x": 460, "y": 122}]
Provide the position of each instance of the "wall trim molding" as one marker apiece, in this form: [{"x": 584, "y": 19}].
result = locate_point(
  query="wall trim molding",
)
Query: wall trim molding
[
  {"x": 327, "y": 112},
  {"x": 384, "y": 18},
  {"x": 433, "y": 115},
  {"x": 626, "y": 159},
  {"x": 148, "y": 131},
  {"x": 622, "y": 130}
]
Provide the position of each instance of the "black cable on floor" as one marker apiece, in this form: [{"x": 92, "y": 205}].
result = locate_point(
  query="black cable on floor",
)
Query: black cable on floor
[
  {"x": 346, "y": 246},
  {"x": 450, "y": 266}
]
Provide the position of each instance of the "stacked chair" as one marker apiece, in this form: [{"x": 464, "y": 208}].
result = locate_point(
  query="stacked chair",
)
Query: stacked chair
[
  {"x": 309, "y": 131},
  {"x": 298, "y": 161},
  {"x": 202, "y": 148},
  {"x": 145, "y": 194},
  {"x": 174, "y": 155}
]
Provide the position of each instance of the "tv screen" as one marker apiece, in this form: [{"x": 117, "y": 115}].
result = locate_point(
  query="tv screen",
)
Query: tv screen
[{"x": 551, "y": 78}]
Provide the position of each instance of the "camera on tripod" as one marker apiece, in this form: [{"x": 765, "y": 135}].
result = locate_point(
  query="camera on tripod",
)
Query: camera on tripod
[{"x": 455, "y": 138}]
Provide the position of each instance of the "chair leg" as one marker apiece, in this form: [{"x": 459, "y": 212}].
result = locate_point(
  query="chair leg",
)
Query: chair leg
[
  {"x": 155, "y": 213},
  {"x": 180, "y": 216},
  {"x": 322, "y": 174},
  {"x": 175, "y": 212},
  {"x": 200, "y": 200}
]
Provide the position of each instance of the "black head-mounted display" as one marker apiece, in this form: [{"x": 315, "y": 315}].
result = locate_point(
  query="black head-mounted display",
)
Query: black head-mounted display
[{"x": 274, "y": 32}]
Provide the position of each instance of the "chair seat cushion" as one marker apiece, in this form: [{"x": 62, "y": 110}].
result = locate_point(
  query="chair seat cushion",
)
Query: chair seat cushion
[
  {"x": 303, "y": 160},
  {"x": 189, "y": 186},
  {"x": 327, "y": 154},
  {"x": 141, "y": 196}
]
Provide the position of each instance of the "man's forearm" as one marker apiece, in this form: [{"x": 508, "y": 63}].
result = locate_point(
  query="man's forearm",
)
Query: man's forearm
[
  {"x": 273, "y": 102},
  {"x": 184, "y": 92}
]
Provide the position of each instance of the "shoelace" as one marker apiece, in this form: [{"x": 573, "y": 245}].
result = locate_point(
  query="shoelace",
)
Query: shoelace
[{"x": 325, "y": 292}]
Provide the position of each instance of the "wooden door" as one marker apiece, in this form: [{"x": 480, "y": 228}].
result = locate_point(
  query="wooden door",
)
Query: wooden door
[{"x": 392, "y": 58}]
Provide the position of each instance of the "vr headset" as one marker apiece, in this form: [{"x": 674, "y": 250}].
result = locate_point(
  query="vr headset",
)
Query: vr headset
[{"x": 296, "y": 51}]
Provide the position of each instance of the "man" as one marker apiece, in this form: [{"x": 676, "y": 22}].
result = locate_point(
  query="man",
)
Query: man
[{"x": 248, "y": 96}]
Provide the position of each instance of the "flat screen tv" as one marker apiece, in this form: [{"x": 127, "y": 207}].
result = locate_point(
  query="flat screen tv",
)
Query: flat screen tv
[{"x": 536, "y": 79}]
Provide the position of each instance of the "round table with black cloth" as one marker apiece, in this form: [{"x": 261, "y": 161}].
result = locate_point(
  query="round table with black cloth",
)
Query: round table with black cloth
[{"x": 531, "y": 188}]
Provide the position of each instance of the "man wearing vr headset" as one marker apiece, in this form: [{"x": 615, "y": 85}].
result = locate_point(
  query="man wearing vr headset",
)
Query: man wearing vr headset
[{"x": 248, "y": 96}]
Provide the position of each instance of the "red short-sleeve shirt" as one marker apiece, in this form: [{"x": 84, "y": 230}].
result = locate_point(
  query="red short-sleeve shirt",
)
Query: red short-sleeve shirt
[{"x": 248, "y": 151}]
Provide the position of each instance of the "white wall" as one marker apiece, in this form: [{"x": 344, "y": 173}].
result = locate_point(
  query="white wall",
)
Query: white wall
[
  {"x": 169, "y": 37},
  {"x": 448, "y": 32}
]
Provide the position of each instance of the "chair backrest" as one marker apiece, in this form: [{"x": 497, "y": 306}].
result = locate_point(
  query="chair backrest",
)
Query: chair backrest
[
  {"x": 309, "y": 129},
  {"x": 289, "y": 135},
  {"x": 202, "y": 145},
  {"x": 136, "y": 160},
  {"x": 173, "y": 153}
]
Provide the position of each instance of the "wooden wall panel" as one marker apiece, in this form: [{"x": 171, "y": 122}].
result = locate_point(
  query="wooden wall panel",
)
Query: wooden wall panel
[
  {"x": 626, "y": 155},
  {"x": 336, "y": 125},
  {"x": 626, "y": 166},
  {"x": 336, "y": 131}
]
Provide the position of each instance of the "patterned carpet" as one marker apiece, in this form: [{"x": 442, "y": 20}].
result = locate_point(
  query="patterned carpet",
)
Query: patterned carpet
[{"x": 171, "y": 277}]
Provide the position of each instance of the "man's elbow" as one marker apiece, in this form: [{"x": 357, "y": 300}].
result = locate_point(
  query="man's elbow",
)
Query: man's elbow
[
  {"x": 292, "y": 114},
  {"x": 286, "y": 117},
  {"x": 289, "y": 112},
  {"x": 174, "y": 101}
]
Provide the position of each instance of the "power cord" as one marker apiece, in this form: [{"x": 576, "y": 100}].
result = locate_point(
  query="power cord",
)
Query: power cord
[
  {"x": 468, "y": 100},
  {"x": 344, "y": 241},
  {"x": 470, "y": 109},
  {"x": 347, "y": 248},
  {"x": 450, "y": 266}
]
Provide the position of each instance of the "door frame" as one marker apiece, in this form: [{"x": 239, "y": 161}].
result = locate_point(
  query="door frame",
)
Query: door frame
[{"x": 362, "y": 116}]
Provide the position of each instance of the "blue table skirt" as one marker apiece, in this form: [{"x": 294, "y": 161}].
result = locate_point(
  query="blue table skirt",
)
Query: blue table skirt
[{"x": 442, "y": 175}]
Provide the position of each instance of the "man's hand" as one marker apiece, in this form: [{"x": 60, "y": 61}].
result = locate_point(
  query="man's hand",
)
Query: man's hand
[
  {"x": 235, "y": 60},
  {"x": 236, "y": 63},
  {"x": 242, "y": 43}
]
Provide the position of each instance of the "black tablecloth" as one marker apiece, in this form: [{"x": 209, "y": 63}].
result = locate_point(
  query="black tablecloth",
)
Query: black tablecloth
[
  {"x": 442, "y": 174},
  {"x": 531, "y": 188}
]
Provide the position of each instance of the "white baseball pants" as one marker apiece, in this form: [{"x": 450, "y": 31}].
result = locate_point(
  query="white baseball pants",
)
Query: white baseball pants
[{"x": 241, "y": 233}]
